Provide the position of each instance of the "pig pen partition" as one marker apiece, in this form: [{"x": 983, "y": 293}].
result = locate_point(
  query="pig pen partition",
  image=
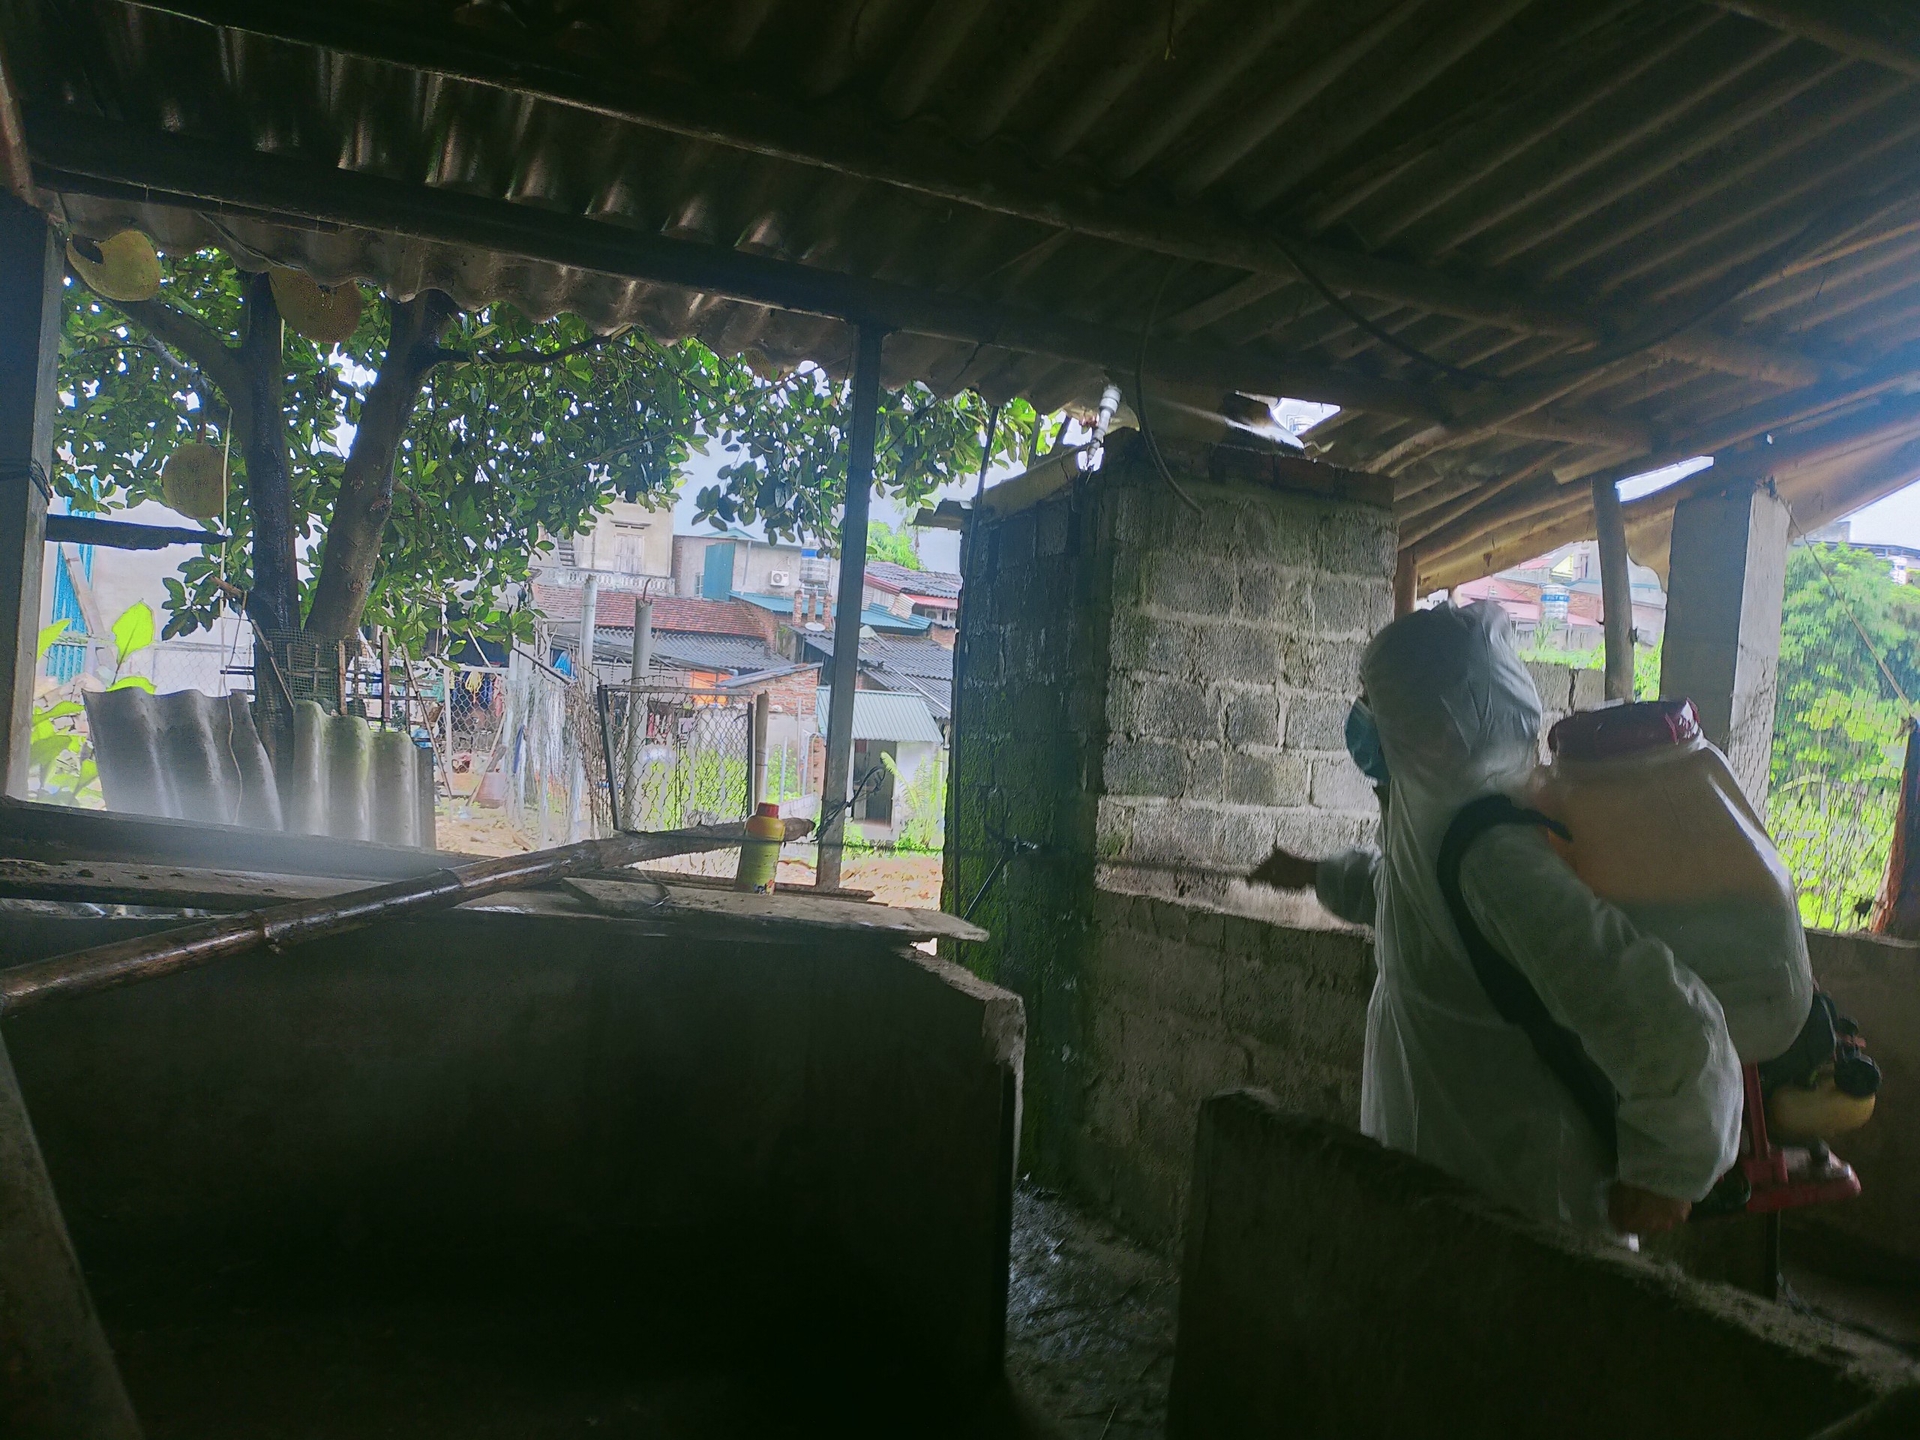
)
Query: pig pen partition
[{"x": 521, "y": 1169}]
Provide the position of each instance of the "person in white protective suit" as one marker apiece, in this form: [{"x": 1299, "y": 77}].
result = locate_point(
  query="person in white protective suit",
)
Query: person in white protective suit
[{"x": 1446, "y": 1078}]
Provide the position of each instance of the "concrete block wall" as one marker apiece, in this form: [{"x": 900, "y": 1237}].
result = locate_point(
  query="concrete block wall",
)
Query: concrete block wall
[
  {"x": 1028, "y": 736},
  {"x": 1563, "y": 690},
  {"x": 1153, "y": 698},
  {"x": 1182, "y": 1003},
  {"x": 1234, "y": 656}
]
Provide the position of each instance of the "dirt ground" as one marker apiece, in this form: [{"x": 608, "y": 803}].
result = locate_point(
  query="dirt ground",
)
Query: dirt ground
[{"x": 910, "y": 881}]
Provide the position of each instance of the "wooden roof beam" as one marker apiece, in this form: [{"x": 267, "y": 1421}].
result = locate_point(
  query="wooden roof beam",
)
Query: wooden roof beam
[
  {"x": 849, "y": 141},
  {"x": 1803, "y": 465},
  {"x": 1847, "y": 30}
]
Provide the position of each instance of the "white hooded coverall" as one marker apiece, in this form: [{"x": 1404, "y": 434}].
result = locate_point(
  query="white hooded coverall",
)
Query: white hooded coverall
[{"x": 1446, "y": 1078}]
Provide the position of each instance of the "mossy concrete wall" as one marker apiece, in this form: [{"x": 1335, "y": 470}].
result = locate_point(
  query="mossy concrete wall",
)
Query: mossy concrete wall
[
  {"x": 1151, "y": 698},
  {"x": 1331, "y": 1287}
]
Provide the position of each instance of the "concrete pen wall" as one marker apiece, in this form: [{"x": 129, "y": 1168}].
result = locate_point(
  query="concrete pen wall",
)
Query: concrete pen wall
[
  {"x": 1876, "y": 981},
  {"x": 816, "y": 1130}
]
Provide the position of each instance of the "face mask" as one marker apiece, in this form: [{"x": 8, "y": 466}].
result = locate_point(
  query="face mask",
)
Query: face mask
[{"x": 1363, "y": 743}]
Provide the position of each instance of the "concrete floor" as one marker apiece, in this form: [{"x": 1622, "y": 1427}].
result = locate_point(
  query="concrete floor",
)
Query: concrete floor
[{"x": 1090, "y": 1317}]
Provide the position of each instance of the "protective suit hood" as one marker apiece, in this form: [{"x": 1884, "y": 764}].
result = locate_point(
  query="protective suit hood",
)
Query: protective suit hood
[{"x": 1458, "y": 714}]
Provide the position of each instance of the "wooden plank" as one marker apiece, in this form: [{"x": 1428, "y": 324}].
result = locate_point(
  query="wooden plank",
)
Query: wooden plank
[
  {"x": 725, "y": 882},
  {"x": 642, "y": 899},
  {"x": 125, "y": 534},
  {"x": 115, "y": 882}
]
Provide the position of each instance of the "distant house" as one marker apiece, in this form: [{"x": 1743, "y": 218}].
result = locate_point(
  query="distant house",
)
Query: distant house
[
  {"x": 717, "y": 645},
  {"x": 628, "y": 547},
  {"x": 732, "y": 562},
  {"x": 895, "y": 736},
  {"x": 908, "y": 664},
  {"x": 931, "y": 594},
  {"x": 1903, "y": 561},
  {"x": 1554, "y": 600}
]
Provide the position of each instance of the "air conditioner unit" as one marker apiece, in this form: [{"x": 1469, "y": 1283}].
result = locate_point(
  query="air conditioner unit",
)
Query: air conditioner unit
[{"x": 779, "y": 579}]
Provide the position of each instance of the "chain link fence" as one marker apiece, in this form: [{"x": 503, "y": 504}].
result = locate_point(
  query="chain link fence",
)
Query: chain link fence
[{"x": 678, "y": 757}]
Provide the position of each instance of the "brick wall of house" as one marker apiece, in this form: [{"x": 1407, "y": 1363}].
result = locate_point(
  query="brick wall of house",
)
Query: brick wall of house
[{"x": 1153, "y": 698}]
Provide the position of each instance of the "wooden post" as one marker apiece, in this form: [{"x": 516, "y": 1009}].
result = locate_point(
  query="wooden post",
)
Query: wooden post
[
  {"x": 1406, "y": 583},
  {"x": 31, "y": 268},
  {"x": 1616, "y": 588},
  {"x": 845, "y": 667}
]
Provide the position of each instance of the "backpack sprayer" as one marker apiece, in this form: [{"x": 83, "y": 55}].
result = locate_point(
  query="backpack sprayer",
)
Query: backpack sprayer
[
  {"x": 1823, "y": 1087},
  {"x": 1649, "y": 815}
]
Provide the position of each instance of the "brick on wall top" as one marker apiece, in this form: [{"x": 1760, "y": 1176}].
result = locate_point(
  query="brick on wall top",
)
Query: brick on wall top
[{"x": 1275, "y": 470}]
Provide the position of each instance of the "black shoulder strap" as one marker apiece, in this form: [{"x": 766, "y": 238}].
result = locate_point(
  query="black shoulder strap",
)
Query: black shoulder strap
[{"x": 1513, "y": 996}]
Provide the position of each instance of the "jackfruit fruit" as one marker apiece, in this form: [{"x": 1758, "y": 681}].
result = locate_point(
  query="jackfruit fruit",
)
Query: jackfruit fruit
[{"x": 121, "y": 267}]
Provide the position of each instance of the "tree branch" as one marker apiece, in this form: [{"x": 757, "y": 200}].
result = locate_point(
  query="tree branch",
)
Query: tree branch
[{"x": 218, "y": 361}]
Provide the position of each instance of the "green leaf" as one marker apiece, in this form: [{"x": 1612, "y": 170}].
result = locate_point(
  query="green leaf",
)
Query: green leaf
[
  {"x": 49, "y": 748},
  {"x": 133, "y": 631},
  {"x": 49, "y": 634},
  {"x": 133, "y": 682}
]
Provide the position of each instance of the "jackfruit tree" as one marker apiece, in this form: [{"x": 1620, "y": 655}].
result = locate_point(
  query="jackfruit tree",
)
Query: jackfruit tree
[{"x": 401, "y": 462}]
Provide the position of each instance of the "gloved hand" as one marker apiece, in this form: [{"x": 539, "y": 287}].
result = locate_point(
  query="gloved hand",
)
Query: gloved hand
[
  {"x": 1634, "y": 1211},
  {"x": 1284, "y": 870}
]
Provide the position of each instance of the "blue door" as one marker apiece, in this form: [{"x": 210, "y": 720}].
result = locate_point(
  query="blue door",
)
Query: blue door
[{"x": 717, "y": 582}]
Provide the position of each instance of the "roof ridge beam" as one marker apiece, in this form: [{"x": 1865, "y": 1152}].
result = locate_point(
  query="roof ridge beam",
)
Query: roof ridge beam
[{"x": 918, "y": 158}]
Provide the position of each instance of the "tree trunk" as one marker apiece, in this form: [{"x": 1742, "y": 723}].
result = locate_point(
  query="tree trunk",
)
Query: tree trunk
[
  {"x": 366, "y": 485},
  {"x": 274, "y": 603}
]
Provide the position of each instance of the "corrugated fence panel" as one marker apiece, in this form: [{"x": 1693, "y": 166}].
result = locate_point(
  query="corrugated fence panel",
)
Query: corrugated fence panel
[
  {"x": 191, "y": 756},
  {"x": 187, "y": 756}
]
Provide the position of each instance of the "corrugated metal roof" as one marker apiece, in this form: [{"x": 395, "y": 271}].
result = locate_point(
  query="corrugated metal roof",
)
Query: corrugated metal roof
[
  {"x": 884, "y": 715},
  {"x": 918, "y": 667},
  {"x": 936, "y": 584},
  {"x": 1523, "y": 243},
  {"x": 679, "y": 649},
  {"x": 873, "y": 615},
  {"x": 560, "y": 604}
]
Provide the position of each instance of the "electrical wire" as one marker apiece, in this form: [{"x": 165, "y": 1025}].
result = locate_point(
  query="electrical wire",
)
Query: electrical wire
[{"x": 1140, "y": 393}]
